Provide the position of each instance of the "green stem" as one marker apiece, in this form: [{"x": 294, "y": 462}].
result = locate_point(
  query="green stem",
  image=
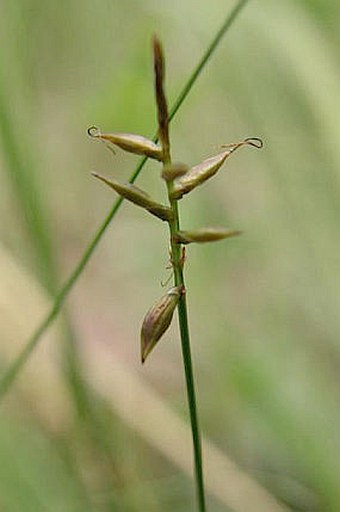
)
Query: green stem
[
  {"x": 24, "y": 355},
  {"x": 189, "y": 378},
  {"x": 177, "y": 261}
]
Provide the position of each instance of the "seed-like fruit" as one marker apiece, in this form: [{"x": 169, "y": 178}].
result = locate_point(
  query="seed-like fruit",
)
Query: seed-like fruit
[
  {"x": 208, "y": 168},
  {"x": 129, "y": 142},
  {"x": 158, "y": 319},
  {"x": 137, "y": 196},
  {"x": 204, "y": 235}
]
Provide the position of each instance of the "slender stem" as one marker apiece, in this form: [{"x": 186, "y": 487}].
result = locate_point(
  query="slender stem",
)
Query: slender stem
[
  {"x": 14, "y": 369},
  {"x": 189, "y": 377},
  {"x": 177, "y": 261}
]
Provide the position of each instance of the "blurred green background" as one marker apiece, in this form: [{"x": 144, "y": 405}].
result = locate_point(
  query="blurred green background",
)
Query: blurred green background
[{"x": 83, "y": 427}]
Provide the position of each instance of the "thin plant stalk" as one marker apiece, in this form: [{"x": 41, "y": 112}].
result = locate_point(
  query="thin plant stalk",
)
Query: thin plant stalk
[
  {"x": 12, "y": 372},
  {"x": 177, "y": 261},
  {"x": 186, "y": 353}
]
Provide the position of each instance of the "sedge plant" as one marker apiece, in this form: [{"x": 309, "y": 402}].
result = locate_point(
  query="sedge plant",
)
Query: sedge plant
[
  {"x": 12, "y": 372},
  {"x": 179, "y": 180},
  {"x": 177, "y": 184}
]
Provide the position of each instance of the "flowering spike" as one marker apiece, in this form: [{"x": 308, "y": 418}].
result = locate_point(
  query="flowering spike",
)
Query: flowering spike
[
  {"x": 204, "y": 235},
  {"x": 158, "y": 319},
  {"x": 137, "y": 196},
  {"x": 130, "y": 142}
]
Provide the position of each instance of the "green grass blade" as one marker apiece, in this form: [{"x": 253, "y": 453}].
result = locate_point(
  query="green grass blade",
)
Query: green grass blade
[
  {"x": 19, "y": 362},
  {"x": 20, "y": 167}
]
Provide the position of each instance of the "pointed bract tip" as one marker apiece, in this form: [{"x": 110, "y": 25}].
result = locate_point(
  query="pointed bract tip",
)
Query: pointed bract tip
[
  {"x": 158, "y": 58},
  {"x": 156, "y": 44}
]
